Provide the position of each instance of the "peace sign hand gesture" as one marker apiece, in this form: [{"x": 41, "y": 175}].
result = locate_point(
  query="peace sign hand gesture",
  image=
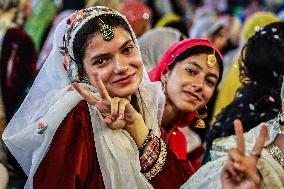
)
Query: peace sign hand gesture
[
  {"x": 240, "y": 171},
  {"x": 117, "y": 112}
]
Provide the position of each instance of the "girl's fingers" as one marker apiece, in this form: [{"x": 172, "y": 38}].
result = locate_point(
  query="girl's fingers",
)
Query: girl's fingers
[
  {"x": 114, "y": 108},
  {"x": 239, "y": 167},
  {"x": 87, "y": 95},
  {"x": 118, "y": 124},
  {"x": 239, "y": 136},
  {"x": 229, "y": 169},
  {"x": 122, "y": 106},
  {"x": 235, "y": 155},
  {"x": 260, "y": 142},
  {"x": 100, "y": 86}
]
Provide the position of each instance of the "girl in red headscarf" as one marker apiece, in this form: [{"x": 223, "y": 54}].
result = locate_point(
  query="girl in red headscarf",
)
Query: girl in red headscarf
[{"x": 189, "y": 72}]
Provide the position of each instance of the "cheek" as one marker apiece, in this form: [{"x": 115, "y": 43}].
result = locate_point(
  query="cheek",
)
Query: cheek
[
  {"x": 138, "y": 65},
  {"x": 136, "y": 61},
  {"x": 104, "y": 74},
  {"x": 208, "y": 93},
  {"x": 179, "y": 79},
  {"x": 174, "y": 84}
]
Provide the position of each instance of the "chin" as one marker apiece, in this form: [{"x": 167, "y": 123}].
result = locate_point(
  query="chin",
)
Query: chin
[
  {"x": 125, "y": 92},
  {"x": 187, "y": 108}
]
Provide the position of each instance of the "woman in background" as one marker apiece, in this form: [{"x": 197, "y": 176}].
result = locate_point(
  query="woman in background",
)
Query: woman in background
[
  {"x": 17, "y": 65},
  {"x": 189, "y": 71},
  {"x": 262, "y": 69}
]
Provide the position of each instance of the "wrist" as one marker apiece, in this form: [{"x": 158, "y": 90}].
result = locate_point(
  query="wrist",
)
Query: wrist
[{"x": 137, "y": 129}]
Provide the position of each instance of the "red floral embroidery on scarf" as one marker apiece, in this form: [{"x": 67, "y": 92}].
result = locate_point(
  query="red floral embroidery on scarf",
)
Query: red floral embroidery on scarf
[{"x": 41, "y": 127}]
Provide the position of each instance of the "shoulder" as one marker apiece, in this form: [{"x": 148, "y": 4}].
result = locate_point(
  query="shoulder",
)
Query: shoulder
[
  {"x": 81, "y": 110},
  {"x": 77, "y": 124}
]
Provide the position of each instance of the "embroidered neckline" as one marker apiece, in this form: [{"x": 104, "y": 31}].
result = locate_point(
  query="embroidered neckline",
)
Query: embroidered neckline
[{"x": 277, "y": 154}]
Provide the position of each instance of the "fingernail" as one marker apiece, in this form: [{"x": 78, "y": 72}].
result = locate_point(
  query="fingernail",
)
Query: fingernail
[
  {"x": 113, "y": 118},
  {"x": 121, "y": 116}
]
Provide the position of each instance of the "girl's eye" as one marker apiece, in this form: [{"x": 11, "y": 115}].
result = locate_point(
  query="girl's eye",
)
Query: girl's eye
[
  {"x": 127, "y": 50},
  {"x": 210, "y": 83},
  {"x": 100, "y": 61},
  {"x": 191, "y": 71}
]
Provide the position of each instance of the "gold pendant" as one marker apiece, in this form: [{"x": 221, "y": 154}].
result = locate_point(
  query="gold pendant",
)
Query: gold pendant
[{"x": 211, "y": 60}]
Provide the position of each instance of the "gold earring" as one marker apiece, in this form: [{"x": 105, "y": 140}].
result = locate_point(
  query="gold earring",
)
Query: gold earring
[
  {"x": 200, "y": 116},
  {"x": 85, "y": 79}
]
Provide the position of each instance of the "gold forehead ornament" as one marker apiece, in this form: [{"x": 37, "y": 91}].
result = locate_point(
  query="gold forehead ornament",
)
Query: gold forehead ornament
[
  {"x": 211, "y": 60},
  {"x": 107, "y": 31}
]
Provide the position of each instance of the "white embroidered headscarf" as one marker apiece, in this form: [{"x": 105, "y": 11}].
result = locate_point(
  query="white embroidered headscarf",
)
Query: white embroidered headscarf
[{"x": 50, "y": 100}]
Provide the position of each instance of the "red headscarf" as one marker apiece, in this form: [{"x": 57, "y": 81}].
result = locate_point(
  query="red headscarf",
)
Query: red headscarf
[
  {"x": 175, "y": 50},
  {"x": 175, "y": 139},
  {"x": 135, "y": 11}
]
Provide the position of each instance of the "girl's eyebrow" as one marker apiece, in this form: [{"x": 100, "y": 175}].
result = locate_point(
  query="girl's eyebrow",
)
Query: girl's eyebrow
[
  {"x": 106, "y": 55},
  {"x": 210, "y": 74},
  {"x": 125, "y": 44}
]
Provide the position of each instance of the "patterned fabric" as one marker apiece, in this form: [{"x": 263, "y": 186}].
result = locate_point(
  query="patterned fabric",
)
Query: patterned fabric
[
  {"x": 47, "y": 46},
  {"x": 253, "y": 104},
  {"x": 150, "y": 153},
  {"x": 77, "y": 20},
  {"x": 277, "y": 154},
  {"x": 159, "y": 164}
]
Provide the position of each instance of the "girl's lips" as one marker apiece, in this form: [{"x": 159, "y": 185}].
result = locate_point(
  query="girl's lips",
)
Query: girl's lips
[
  {"x": 191, "y": 96},
  {"x": 125, "y": 80}
]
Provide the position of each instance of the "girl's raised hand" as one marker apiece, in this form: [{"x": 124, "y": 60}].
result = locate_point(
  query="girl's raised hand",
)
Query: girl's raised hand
[
  {"x": 117, "y": 112},
  {"x": 240, "y": 170}
]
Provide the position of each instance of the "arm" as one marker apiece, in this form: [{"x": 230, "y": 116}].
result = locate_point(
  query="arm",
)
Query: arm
[{"x": 160, "y": 165}]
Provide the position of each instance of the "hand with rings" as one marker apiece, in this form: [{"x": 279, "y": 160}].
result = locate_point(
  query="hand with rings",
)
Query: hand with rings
[
  {"x": 240, "y": 171},
  {"x": 117, "y": 112}
]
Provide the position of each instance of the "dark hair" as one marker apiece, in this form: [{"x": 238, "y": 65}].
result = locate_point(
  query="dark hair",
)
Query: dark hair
[
  {"x": 217, "y": 31},
  {"x": 86, "y": 32},
  {"x": 179, "y": 25},
  {"x": 263, "y": 56},
  {"x": 196, "y": 50}
]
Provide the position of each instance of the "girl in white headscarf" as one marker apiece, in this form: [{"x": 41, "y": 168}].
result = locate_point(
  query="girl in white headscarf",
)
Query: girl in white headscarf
[{"x": 61, "y": 141}]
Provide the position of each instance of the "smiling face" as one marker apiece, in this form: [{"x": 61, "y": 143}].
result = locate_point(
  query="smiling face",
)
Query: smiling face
[
  {"x": 191, "y": 83},
  {"x": 117, "y": 62}
]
